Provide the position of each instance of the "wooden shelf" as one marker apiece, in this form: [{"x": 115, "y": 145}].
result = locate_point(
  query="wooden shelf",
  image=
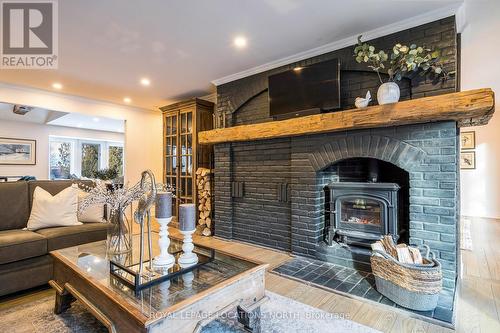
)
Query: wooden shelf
[{"x": 468, "y": 108}]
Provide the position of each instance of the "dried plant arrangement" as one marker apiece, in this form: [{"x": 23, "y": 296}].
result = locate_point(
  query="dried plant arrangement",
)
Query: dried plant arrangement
[
  {"x": 401, "y": 60},
  {"x": 117, "y": 197}
]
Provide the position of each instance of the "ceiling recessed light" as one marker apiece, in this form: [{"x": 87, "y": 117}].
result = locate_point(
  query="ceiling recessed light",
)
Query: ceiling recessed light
[
  {"x": 240, "y": 42},
  {"x": 145, "y": 81},
  {"x": 127, "y": 100},
  {"x": 57, "y": 85},
  {"x": 96, "y": 120}
]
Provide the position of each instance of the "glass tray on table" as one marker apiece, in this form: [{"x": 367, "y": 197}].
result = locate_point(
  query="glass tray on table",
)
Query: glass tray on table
[{"x": 126, "y": 269}]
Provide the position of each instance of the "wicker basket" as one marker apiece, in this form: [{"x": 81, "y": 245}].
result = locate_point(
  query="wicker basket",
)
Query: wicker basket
[{"x": 413, "y": 286}]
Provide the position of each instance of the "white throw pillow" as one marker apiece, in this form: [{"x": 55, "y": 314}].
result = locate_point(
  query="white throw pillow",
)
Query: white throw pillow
[
  {"x": 93, "y": 213},
  {"x": 53, "y": 211}
]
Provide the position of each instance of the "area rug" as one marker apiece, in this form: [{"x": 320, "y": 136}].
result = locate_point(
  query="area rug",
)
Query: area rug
[{"x": 279, "y": 315}]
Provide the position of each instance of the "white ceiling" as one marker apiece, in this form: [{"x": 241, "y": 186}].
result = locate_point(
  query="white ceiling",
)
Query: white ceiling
[
  {"x": 105, "y": 47},
  {"x": 36, "y": 115},
  {"x": 94, "y": 123},
  {"x": 57, "y": 118}
]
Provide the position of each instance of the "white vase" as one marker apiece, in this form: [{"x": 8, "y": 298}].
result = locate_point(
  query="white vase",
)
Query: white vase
[{"x": 388, "y": 93}]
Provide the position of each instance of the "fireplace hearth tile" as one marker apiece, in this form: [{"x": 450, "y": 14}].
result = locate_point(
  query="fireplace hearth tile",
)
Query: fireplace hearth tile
[
  {"x": 342, "y": 274},
  {"x": 303, "y": 273},
  {"x": 284, "y": 270},
  {"x": 322, "y": 269},
  {"x": 356, "y": 282},
  {"x": 386, "y": 301},
  {"x": 373, "y": 295},
  {"x": 333, "y": 283},
  {"x": 345, "y": 286},
  {"x": 354, "y": 278},
  {"x": 322, "y": 279},
  {"x": 360, "y": 290},
  {"x": 311, "y": 276}
]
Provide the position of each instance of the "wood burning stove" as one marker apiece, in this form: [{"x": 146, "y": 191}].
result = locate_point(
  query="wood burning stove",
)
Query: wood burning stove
[{"x": 361, "y": 213}]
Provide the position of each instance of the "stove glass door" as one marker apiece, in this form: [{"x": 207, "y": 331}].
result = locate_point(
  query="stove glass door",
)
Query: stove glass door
[{"x": 361, "y": 214}]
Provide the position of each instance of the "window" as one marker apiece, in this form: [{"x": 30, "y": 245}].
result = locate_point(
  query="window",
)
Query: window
[
  {"x": 61, "y": 153},
  {"x": 80, "y": 158},
  {"x": 91, "y": 157},
  {"x": 115, "y": 158}
]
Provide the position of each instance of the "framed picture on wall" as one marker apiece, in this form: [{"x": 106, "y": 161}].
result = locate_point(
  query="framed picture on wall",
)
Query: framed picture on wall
[
  {"x": 467, "y": 160},
  {"x": 17, "y": 151},
  {"x": 468, "y": 140}
]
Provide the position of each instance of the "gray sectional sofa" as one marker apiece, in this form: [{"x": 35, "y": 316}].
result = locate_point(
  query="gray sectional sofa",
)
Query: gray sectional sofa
[{"x": 24, "y": 255}]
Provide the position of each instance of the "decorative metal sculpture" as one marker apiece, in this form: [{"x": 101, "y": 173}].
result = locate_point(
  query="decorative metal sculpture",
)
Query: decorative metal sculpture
[{"x": 142, "y": 215}]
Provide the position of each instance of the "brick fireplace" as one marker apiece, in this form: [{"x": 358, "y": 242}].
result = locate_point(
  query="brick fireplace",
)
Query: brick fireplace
[
  {"x": 282, "y": 198},
  {"x": 427, "y": 152}
]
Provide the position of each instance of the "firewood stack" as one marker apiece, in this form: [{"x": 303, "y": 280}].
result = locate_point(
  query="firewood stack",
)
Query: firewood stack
[{"x": 203, "y": 185}]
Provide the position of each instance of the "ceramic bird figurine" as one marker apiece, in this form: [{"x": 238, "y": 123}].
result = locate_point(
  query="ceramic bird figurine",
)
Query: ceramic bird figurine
[{"x": 361, "y": 102}]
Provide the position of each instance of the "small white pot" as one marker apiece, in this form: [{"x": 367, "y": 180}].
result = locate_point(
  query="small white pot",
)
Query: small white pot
[{"x": 388, "y": 93}]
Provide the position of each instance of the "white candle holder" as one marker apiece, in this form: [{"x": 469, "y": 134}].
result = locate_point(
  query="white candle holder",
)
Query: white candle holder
[
  {"x": 188, "y": 257},
  {"x": 165, "y": 259}
]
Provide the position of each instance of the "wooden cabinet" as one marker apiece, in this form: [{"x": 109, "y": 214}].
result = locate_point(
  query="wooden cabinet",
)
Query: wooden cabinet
[{"x": 181, "y": 153}]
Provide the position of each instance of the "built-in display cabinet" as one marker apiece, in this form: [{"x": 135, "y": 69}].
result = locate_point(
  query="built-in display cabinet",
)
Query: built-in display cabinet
[{"x": 182, "y": 155}]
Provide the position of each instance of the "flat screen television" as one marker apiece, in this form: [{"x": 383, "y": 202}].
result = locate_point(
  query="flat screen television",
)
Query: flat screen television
[{"x": 305, "y": 90}]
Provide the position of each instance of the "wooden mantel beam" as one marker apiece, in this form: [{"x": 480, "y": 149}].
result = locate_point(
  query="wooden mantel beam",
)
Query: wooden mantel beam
[{"x": 468, "y": 108}]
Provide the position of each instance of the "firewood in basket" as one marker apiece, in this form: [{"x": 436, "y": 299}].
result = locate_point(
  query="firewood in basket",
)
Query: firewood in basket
[
  {"x": 404, "y": 255},
  {"x": 389, "y": 245},
  {"x": 416, "y": 255},
  {"x": 379, "y": 247}
]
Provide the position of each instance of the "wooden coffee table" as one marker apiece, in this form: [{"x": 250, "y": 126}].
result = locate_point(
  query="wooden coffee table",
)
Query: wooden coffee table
[{"x": 184, "y": 304}]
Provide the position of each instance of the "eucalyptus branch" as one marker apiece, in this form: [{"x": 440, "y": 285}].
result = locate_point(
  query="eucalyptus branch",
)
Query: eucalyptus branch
[{"x": 403, "y": 60}]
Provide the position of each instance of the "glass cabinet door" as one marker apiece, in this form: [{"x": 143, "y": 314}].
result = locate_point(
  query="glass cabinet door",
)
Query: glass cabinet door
[
  {"x": 179, "y": 155},
  {"x": 171, "y": 154},
  {"x": 186, "y": 156}
]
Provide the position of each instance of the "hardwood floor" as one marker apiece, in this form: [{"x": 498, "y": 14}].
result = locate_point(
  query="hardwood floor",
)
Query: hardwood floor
[
  {"x": 478, "y": 298},
  {"x": 479, "y": 287},
  {"x": 478, "y": 301}
]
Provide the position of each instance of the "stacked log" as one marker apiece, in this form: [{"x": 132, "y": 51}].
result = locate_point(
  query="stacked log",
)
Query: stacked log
[
  {"x": 203, "y": 185},
  {"x": 401, "y": 252}
]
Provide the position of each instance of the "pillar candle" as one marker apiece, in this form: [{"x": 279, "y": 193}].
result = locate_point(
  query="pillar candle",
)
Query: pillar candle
[
  {"x": 187, "y": 217},
  {"x": 163, "y": 205}
]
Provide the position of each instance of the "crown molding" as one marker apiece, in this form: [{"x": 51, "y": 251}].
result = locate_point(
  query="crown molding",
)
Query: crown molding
[{"x": 428, "y": 17}]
